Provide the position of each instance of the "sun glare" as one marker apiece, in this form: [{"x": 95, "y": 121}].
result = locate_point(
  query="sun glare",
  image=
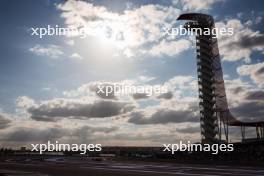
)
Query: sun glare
[{"x": 113, "y": 35}]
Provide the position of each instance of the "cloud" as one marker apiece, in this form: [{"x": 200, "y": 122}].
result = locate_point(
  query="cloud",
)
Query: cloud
[
  {"x": 24, "y": 102},
  {"x": 255, "y": 71},
  {"x": 166, "y": 96},
  {"x": 146, "y": 78},
  {"x": 70, "y": 42},
  {"x": 76, "y": 56},
  {"x": 177, "y": 113},
  {"x": 138, "y": 96},
  {"x": 251, "y": 41},
  {"x": 255, "y": 95},
  {"x": 185, "y": 85},
  {"x": 4, "y": 121},
  {"x": 190, "y": 129},
  {"x": 26, "y": 134},
  {"x": 164, "y": 116},
  {"x": 180, "y": 81},
  {"x": 98, "y": 88},
  {"x": 90, "y": 133},
  {"x": 197, "y": 5},
  {"x": 258, "y": 20},
  {"x": 52, "y": 51},
  {"x": 95, "y": 129},
  {"x": 245, "y": 101},
  {"x": 56, "y": 109},
  {"x": 249, "y": 110},
  {"x": 244, "y": 40},
  {"x": 138, "y": 89},
  {"x": 80, "y": 134},
  {"x": 133, "y": 31},
  {"x": 83, "y": 90},
  {"x": 103, "y": 90},
  {"x": 170, "y": 48},
  {"x": 181, "y": 108}
]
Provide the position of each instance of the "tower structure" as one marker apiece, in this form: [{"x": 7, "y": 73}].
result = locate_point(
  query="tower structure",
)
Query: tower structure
[
  {"x": 214, "y": 112},
  {"x": 207, "y": 63}
]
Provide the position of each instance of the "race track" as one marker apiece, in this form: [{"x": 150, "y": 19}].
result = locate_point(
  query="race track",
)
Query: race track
[{"x": 66, "y": 166}]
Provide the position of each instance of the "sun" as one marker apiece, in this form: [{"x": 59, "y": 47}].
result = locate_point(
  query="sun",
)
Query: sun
[{"x": 112, "y": 34}]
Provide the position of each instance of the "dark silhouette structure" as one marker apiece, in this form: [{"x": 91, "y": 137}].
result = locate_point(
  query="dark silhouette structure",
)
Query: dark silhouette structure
[{"x": 214, "y": 112}]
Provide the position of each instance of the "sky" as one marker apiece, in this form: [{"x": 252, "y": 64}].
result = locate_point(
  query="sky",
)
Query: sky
[{"x": 48, "y": 85}]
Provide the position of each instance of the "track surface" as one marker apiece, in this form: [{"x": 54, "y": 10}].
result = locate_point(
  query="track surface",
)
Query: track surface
[{"x": 61, "y": 167}]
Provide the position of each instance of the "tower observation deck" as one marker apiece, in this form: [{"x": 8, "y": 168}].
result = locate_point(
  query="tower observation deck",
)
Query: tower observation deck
[{"x": 214, "y": 112}]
